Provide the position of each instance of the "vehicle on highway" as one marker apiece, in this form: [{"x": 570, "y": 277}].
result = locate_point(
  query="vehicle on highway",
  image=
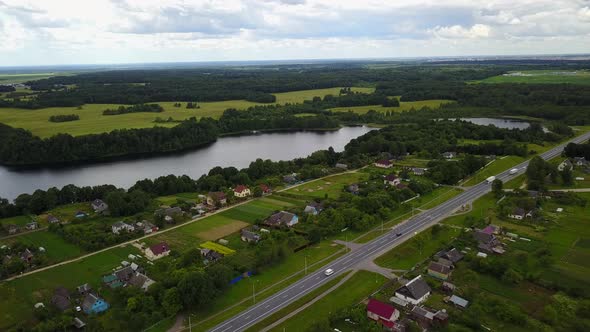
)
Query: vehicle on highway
[
  {"x": 398, "y": 234},
  {"x": 491, "y": 179},
  {"x": 328, "y": 272},
  {"x": 513, "y": 171}
]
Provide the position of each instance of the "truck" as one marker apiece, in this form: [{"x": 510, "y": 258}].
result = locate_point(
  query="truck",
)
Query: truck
[
  {"x": 513, "y": 171},
  {"x": 491, "y": 179}
]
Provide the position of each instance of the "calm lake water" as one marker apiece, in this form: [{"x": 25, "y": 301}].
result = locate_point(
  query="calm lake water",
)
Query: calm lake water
[{"x": 237, "y": 151}]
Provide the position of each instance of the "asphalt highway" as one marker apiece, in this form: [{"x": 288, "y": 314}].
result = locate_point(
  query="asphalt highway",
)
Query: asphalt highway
[{"x": 385, "y": 242}]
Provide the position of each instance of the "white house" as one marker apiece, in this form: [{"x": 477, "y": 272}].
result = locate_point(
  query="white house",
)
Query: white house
[
  {"x": 392, "y": 180},
  {"x": 157, "y": 251},
  {"x": 241, "y": 191},
  {"x": 415, "y": 291},
  {"x": 121, "y": 226}
]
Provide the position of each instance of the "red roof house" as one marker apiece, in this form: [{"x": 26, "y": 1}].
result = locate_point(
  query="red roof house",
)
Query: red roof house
[
  {"x": 241, "y": 191},
  {"x": 384, "y": 163},
  {"x": 265, "y": 189},
  {"x": 384, "y": 313},
  {"x": 157, "y": 251}
]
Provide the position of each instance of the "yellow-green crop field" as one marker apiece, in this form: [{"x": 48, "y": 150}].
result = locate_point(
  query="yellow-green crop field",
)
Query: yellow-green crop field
[{"x": 404, "y": 106}]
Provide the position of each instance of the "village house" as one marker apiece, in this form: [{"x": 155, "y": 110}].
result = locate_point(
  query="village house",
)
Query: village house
[
  {"x": 211, "y": 255},
  {"x": 353, "y": 189},
  {"x": 84, "y": 289},
  {"x": 241, "y": 191},
  {"x": 520, "y": 213},
  {"x": 147, "y": 227},
  {"x": 449, "y": 155},
  {"x": 383, "y": 163},
  {"x": 61, "y": 299},
  {"x": 313, "y": 208},
  {"x": 452, "y": 255},
  {"x": 99, "y": 206},
  {"x": 426, "y": 317},
  {"x": 341, "y": 166},
  {"x": 439, "y": 271},
  {"x": 120, "y": 226},
  {"x": 32, "y": 226},
  {"x": 392, "y": 180},
  {"x": 581, "y": 161},
  {"x": 566, "y": 164},
  {"x": 111, "y": 281},
  {"x": 290, "y": 179},
  {"x": 250, "y": 237},
  {"x": 27, "y": 256},
  {"x": 265, "y": 189},
  {"x": 141, "y": 281},
  {"x": 52, "y": 219},
  {"x": 124, "y": 274},
  {"x": 414, "y": 291},
  {"x": 93, "y": 304},
  {"x": 418, "y": 170},
  {"x": 487, "y": 240},
  {"x": 157, "y": 251},
  {"x": 383, "y": 313},
  {"x": 12, "y": 229},
  {"x": 216, "y": 197},
  {"x": 168, "y": 212},
  {"x": 282, "y": 218}
]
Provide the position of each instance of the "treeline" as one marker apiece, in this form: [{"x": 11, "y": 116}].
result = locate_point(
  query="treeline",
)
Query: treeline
[
  {"x": 578, "y": 150},
  {"x": 64, "y": 118},
  {"x": 450, "y": 172},
  {"x": 149, "y": 108},
  {"x": 7, "y": 88}
]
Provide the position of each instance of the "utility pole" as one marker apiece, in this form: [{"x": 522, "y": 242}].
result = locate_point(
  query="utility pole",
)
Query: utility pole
[
  {"x": 306, "y": 264},
  {"x": 190, "y": 326},
  {"x": 253, "y": 293}
]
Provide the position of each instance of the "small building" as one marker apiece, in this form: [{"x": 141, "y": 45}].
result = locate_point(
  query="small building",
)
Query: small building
[
  {"x": 341, "y": 166},
  {"x": 449, "y": 154},
  {"x": 32, "y": 226},
  {"x": 84, "y": 289},
  {"x": 27, "y": 256},
  {"x": 290, "y": 179},
  {"x": 392, "y": 180},
  {"x": 112, "y": 281},
  {"x": 121, "y": 226},
  {"x": 78, "y": 323},
  {"x": 52, "y": 219},
  {"x": 211, "y": 255},
  {"x": 518, "y": 213},
  {"x": 168, "y": 212},
  {"x": 265, "y": 189},
  {"x": 581, "y": 161},
  {"x": 426, "y": 317},
  {"x": 414, "y": 291},
  {"x": 241, "y": 191},
  {"x": 418, "y": 170},
  {"x": 566, "y": 164},
  {"x": 383, "y": 313},
  {"x": 383, "y": 163},
  {"x": 448, "y": 287},
  {"x": 250, "y": 237},
  {"x": 453, "y": 255},
  {"x": 353, "y": 189},
  {"x": 80, "y": 214},
  {"x": 439, "y": 271},
  {"x": 147, "y": 227},
  {"x": 313, "y": 208},
  {"x": 124, "y": 274},
  {"x": 487, "y": 240},
  {"x": 459, "y": 302},
  {"x": 142, "y": 281},
  {"x": 157, "y": 251},
  {"x": 282, "y": 218},
  {"x": 61, "y": 299},
  {"x": 99, "y": 206},
  {"x": 12, "y": 229},
  {"x": 93, "y": 304},
  {"x": 216, "y": 197}
]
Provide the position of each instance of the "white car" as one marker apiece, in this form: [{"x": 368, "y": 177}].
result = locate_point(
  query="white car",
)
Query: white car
[{"x": 328, "y": 272}]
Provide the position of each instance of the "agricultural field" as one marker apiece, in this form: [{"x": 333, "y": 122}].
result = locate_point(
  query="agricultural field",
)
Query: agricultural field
[
  {"x": 92, "y": 121},
  {"x": 404, "y": 106},
  {"x": 17, "y": 297},
  {"x": 331, "y": 186},
  {"x": 21, "y": 78},
  {"x": 542, "y": 77}
]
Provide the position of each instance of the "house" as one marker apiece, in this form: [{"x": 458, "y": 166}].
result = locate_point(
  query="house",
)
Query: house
[
  {"x": 157, "y": 251},
  {"x": 61, "y": 299},
  {"x": 353, "y": 189},
  {"x": 392, "y": 180},
  {"x": 453, "y": 255},
  {"x": 84, "y": 289},
  {"x": 99, "y": 206},
  {"x": 487, "y": 240},
  {"x": 78, "y": 323},
  {"x": 383, "y": 163},
  {"x": 32, "y": 225},
  {"x": 426, "y": 317},
  {"x": 112, "y": 281},
  {"x": 120, "y": 226},
  {"x": 211, "y": 255},
  {"x": 282, "y": 218},
  {"x": 414, "y": 291},
  {"x": 142, "y": 281},
  {"x": 341, "y": 166},
  {"x": 168, "y": 212},
  {"x": 12, "y": 229},
  {"x": 93, "y": 304},
  {"x": 80, "y": 214},
  {"x": 418, "y": 170},
  {"x": 439, "y": 271},
  {"x": 449, "y": 155},
  {"x": 566, "y": 164},
  {"x": 27, "y": 256},
  {"x": 265, "y": 189},
  {"x": 216, "y": 197},
  {"x": 448, "y": 287},
  {"x": 52, "y": 219},
  {"x": 383, "y": 313},
  {"x": 517, "y": 213},
  {"x": 290, "y": 179},
  {"x": 459, "y": 302},
  {"x": 248, "y": 236},
  {"x": 124, "y": 274},
  {"x": 581, "y": 161},
  {"x": 241, "y": 191},
  {"x": 147, "y": 227},
  {"x": 313, "y": 208}
]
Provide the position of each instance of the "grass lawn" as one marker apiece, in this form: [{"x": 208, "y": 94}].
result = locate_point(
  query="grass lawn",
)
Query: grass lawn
[
  {"x": 57, "y": 249},
  {"x": 542, "y": 77},
  {"x": 92, "y": 121},
  {"x": 172, "y": 199},
  {"x": 354, "y": 290},
  {"x": 17, "y": 297},
  {"x": 332, "y": 186},
  {"x": 18, "y": 220},
  {"x": 404, "y": 106}
]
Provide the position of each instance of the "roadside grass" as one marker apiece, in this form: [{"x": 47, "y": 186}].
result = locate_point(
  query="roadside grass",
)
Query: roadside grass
[
  {"x": 92, "y": 121},
  {"x": 163, "y": 325},
  {"x": 404, "y": 106},
  {"x": 499, "y": 165},
  {"x": 18, "y": 221},
  {"x": 543, "y": 77},
  {"x": 331, "y": 186},
  {"x": 436, "y": 197},
  {"x": 353, "y": 291},
  {"x": 17, "y": 297},
  {"x": 56, "y": 248}
]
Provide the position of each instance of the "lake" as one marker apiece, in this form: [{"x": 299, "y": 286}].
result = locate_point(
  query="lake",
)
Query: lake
[{"x": 237, "y": 151}]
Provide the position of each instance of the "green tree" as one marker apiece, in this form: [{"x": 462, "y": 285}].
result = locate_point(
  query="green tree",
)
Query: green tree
[
  {"x": 172, "y": 303},
  {"x": 497, "y": 186}
]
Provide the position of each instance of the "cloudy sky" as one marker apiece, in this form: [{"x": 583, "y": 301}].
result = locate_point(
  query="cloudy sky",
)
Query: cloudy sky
[{"x": 41, "y": 32}]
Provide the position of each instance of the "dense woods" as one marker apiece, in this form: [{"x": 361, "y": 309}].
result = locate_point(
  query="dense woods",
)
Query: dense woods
[
  {"x": 64, "y": 118},
  {"x": 150, "y": 108}
]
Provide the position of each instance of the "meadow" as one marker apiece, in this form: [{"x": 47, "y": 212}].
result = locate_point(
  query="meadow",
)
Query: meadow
[
  {"x": 542, "y": 77},
  {"x": 92, "y": 121},
  {"x": 331, "y": 186},
  {"x": 404, "y": 106},
  {"x": 56, "y": 248}
]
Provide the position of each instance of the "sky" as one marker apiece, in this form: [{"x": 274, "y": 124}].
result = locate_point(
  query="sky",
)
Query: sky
[{"x": 51, "y": 32}]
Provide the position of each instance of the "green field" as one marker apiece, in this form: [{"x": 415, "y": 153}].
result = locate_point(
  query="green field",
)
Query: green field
[
  {"x": 21, "y": 78},
  {"x": 57, "y": 249},
  {"x": 92, "y": 121},
  {"x": 404, "y": 106},
  {"x": 17, "y": 297},
  {"x": 332, "y": 186},
  {"x": 354, "y": 290},
  {"x": 542, "y": 77},
  {"x": 18, "y": 220}
]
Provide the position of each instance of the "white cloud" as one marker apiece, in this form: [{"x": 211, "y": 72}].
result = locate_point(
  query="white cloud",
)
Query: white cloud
[{"x": 457, "y": 31}]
